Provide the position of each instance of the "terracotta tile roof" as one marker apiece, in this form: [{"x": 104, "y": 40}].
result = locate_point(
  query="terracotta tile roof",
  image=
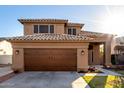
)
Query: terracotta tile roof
[
  {"x": 75, "y": 24},
  {"x": 51, "y": 36},
  {"x": 94, "y": 34},
  {"x": 43, "y": 20}
]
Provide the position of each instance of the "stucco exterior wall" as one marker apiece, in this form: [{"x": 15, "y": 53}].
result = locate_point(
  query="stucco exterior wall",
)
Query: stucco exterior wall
[
  {"x": 114, "y": 43},
  {"x": 59, "y": 28},
  {"x": 82, "y": 59},
  {"x": 28, "y": 29},
  {"x": 18, "y": 60},
  {"x": 108, "y": 53}
]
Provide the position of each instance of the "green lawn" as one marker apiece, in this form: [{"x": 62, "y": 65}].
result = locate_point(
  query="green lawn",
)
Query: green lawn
[
  {"x": 105, "y": 81},
  {"x": 118, "y": 71}
]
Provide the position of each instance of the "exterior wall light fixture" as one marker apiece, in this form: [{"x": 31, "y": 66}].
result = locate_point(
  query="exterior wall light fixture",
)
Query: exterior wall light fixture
[
  {"x": 82, "y": 52},
  {"x": 17, "y": 52}
]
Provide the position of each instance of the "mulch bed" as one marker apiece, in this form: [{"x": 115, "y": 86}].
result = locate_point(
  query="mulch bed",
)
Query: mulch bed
[{"x": 96, "y": 71}]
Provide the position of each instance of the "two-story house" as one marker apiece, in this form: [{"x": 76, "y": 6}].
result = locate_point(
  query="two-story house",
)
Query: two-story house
[{"x": 58, "y": 45}]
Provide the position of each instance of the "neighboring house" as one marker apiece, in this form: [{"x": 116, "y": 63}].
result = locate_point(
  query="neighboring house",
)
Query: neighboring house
[
  {"x": 5, "y": 52},
  {"x": 117, "y": 46},
  {"x": 58, "y": 45}
]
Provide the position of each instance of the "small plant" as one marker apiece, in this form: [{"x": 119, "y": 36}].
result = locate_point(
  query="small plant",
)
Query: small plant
[{"x": 91, "y": 69}]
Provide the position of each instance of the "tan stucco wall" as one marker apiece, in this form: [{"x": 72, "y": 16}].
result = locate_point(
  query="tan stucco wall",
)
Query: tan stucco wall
[
  {"x": 28, "y": 29},
  {"x": 82, "y": 60},
  {"x": 18, "y": 60},
  {"x": 113, "y": 44},
  {"x": 59, "y": 28},
  {"x": 108, "y": 53}
]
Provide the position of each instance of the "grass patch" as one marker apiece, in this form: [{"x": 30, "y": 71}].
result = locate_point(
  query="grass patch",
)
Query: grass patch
[
  {"x": 109, "y": 81},
  {"x": 118, "y": 71}
]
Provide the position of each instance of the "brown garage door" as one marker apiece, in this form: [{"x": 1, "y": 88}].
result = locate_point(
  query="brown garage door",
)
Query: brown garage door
[{"x": 50, "y": 59}]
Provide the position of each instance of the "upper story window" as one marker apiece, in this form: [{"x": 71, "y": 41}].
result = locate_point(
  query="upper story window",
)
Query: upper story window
[
  {"x": 35, "y": 28},
  {"x": 72, "y": 31},
  {"x": 43, "y": 28}
]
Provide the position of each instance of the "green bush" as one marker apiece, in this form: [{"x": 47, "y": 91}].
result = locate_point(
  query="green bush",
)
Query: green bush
[{"x": 113, "y": 59}]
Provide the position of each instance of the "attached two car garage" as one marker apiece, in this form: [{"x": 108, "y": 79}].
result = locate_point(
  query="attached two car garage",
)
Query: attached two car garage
[
  {"x": 50, "y": 59},
  {"x": 50, "y": 52}
]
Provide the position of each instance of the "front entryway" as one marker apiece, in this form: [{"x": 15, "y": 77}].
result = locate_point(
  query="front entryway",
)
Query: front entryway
[
  {"x": 96, "y": 54},
  {"x": 50, "y": 59}
]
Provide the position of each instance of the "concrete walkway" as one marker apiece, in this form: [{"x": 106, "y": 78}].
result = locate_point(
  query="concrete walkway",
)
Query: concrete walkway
[
  {"x": 105, "y": 72},
  {"x": 108, "y": 72}
]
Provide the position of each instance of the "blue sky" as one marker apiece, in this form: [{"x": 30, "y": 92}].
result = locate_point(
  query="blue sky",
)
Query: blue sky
[{"x": 89, "y": 15}]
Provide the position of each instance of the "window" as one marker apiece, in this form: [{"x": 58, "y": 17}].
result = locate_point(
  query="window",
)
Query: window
[
  {"x": 72, "y": 31},
  {"x": 43, "y": 28},
  {"x": 69, "y": 31},
  {"x": 51, "y": 28},
  {"x": 35, "y": 28}
]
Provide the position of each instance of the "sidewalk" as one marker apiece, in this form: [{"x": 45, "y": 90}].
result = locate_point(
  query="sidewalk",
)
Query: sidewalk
[{"x": 108, "y": 72}]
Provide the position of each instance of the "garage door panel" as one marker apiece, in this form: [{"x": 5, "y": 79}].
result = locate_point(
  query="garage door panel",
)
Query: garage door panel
[{"x": 50, "y": 59}]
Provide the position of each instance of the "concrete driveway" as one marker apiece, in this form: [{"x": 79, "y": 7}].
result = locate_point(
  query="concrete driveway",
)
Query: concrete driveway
[{"x": 44, "y": 80}]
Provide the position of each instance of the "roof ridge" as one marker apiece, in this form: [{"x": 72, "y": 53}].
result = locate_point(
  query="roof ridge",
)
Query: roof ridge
[
  {"x": 42, "y": 19},
  {"x": 22, "y": 20}
]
